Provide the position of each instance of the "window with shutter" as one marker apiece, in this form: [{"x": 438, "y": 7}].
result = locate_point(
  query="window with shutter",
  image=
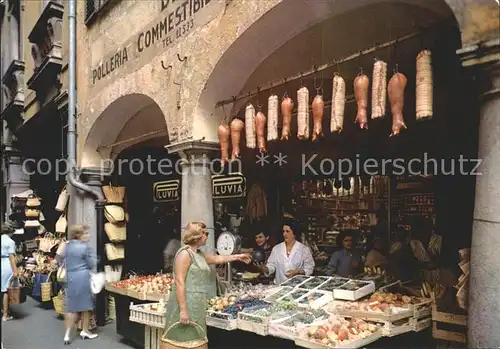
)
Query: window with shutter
[{"x": 93, "y": 7}]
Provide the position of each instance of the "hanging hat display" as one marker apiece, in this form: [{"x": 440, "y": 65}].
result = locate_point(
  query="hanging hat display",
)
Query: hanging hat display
[{"x": 33, "y": 201}]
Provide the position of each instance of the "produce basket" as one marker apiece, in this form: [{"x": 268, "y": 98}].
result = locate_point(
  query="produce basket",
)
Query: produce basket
[
  {"x": 332, "y": 283},
  {"x": 305, "y": 343},
  {"x": 294, "y": 295},
  {"x": 314, "y": 282},
  {"x": 221, "y": 320},
  {"x": 253, "y": 323},
  {"x": 354, "y": 290},
  {"x": 315, "y": 299},
  {"x": 288, "y": 327},
  {"x": 152, "y": 315},
  {"x": 278, "y": 293},
  {"x": 296, "y": 281}
]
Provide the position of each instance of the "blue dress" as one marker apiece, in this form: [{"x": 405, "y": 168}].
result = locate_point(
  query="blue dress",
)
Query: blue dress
[
  {"x": 8, "y": 247},
  {"x": 79, "y": 262}
]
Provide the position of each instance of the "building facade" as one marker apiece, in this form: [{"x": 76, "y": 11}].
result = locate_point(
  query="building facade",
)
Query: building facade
[{"x": 34, "y": 98}]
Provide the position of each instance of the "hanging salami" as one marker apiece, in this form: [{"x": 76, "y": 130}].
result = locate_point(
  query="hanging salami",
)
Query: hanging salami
[
  {"x": 424, "y": 88},
  {"x": 361, "y": 84},
  {"x": 286, "y": 112},
  {"x": 303, "y": 113},
  {"x": 224, "y": 133},
  {"x": 272, "y": 118},
  {"x": 338, "y": 104},
  {"x": 379, "y": 89},
  {"x": 260, "y": 124},
  {"x": 396, "y": 91},
  {"x": 318, "y": 107},
  {"x": 236, "y": 127},
  {"x": 250, "y": 127}
]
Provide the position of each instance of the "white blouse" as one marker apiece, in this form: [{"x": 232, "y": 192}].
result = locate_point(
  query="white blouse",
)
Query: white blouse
[{"x": 300, "y": 258}]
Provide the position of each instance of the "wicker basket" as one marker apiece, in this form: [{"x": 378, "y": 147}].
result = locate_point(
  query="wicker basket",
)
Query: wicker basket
[
  {"x": 59, "y": 303},
  {"x": 46, "y": 290},
  {"x": 16, "y": 293},
  {"x": 166, "y": 343}
]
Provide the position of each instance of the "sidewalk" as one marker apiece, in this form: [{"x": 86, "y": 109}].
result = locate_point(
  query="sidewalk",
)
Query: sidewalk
[{"x": 38, "y": 328}]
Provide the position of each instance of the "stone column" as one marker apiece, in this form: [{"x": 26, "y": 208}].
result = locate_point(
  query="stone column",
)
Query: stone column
[
  {"x": 484, "y": 287},
  {"x": 196, "y": 189}
]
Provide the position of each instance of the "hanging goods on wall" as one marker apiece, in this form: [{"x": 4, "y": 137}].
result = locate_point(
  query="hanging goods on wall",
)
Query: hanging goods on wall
[
  {"x": 379, "y": 89},
  {"x": 62, "y": 200},
  {"x": 318, "y": 108},
  {"x": 272, "y": 118},
  {"x": 303, "y": 113},
  {"x": 114, "y": 195},
  {"x": 61, "y": 224},
  {"x": 114, "y": 213},
  {"x": 260, "y": 126},
  {"x": 223, "y": 132},
  {"x": 116, "y": 232},
  {"x": 424, "y": 88},
  {"x": 33, "y": 201},
  {"x": 114, "y": 252},
  {"x": 256, "y": 203},
  {"x": 396, "y": 91},
  {"x": 338, "y": 104},
  {"x": 286, "y": 112},
  {"x": 361, "y": 84},
  {"x": 236, "y": 127},
  {"x": 250, "y": 126}
]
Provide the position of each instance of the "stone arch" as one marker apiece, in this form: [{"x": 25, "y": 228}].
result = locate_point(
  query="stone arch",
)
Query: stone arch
[
  {"x": 248, "y": 50},
  {"x": 129, "y": 120}
]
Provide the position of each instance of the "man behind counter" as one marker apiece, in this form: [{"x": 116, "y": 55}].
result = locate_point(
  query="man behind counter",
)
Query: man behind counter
[
  {"x": 261, "y": 242},
  {"x": 345, "y": 262}
]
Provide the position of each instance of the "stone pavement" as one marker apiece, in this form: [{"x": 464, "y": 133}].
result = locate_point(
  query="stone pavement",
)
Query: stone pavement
[{"x": 38, "y": 328}]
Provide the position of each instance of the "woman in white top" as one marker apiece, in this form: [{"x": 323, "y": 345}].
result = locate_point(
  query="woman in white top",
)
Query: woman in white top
[{"x": 290, "y": 257}]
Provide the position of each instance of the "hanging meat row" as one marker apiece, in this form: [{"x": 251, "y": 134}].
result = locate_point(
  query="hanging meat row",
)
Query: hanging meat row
[{"x": 255, "y": 123}]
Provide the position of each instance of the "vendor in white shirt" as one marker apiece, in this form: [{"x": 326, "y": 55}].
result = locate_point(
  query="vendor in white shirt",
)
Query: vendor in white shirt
[{"x": 290, "y": 257}]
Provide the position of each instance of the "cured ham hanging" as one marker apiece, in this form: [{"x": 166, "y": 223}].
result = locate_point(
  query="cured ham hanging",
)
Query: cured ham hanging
[
  {"x": 250, "y": 127},
  {"x": 338, "y": 104},
  {"x": 286, "y": 112},
  {"x": 379, "y": 89},
  {"x": 318, "y": 107},
  {"x": 361, "y": 84},
  {"x": 236, "y": 127},
  {"x": 272, "y": 118},
  {"x": 224, "y": 133},
  {"x": 424, "y": 88},
  {"x": 260, "y": 124},
  {"x": 396, "y": 90},
  {"x": 303, "y": 113}
]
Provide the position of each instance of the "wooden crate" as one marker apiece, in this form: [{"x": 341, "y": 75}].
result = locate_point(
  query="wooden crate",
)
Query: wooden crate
[{"x": 448, "y": 318}]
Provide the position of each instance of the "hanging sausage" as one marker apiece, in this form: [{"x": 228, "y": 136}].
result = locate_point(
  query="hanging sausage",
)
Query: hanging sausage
[
  {"x": 260, "y": 124},
  {"x": 338, "y": 104},
  {"x": 236, "y": 127},
  {"x": 250, "y": 126},
  {"x": 318, "y": 107},
  {"x": 424, "y": 88},
  {"x": 361, "y": 84},
  {"x": 303, "y": 113},
  {"x": 379, "y": 89},
  {"x": 286, "y": 112},
  {"x": 224, "y": 133},
  {"x": 396, "y": 91},
  {"x": 272, "y": 118}
]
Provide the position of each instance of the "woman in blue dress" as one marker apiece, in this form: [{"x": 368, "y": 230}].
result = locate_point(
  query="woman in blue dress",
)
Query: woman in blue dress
[
  {"x": 79, "y": 261},
  {"x": 9, "y": 269}
]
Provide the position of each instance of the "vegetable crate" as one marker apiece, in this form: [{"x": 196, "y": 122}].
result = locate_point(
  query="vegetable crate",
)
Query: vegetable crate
[
  {"x": 221, "y": 320},
  {"x": 442, "y": 319},
  {"x": 253, "y": 323},
  {"x": 144, "y": 314}
]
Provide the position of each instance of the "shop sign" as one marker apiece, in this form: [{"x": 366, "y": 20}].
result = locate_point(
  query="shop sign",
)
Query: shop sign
[
  {"x": 177, "y": 19},
  {"x": 166, "y": 191},
  {"x": 232, "y": 186}
]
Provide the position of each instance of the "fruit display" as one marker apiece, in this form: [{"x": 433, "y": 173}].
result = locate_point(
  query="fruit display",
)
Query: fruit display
[
  {"x": 282, "y": 291},
  {"x": 219, "y": 303},
  {"x": 354, "y": 290},
  {"x": 157, "y": 284},
  {"x": 353, "y": 285},
  {"x": 374, "y": 271},
  {"x": 314, "y": 282},
  {"x": 217, "y": 307},
  {"x": 294, "y": 295},
  {"x": 288, "y": 326},
  {"x": 315, "y": 299},
  {"x": 295, "y": 281},
  {"x": 333, "y": 283},
  {"x": 341, "y": 332}
]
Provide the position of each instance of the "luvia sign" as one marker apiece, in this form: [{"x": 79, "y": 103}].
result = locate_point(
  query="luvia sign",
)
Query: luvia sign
[
  {"x": 178, "y": 19},
  {"x": 226, "y": 187},
  {"x": 166, "y": 191}
]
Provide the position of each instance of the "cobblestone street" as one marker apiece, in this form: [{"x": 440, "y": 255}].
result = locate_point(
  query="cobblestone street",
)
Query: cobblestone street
[{"x": 38, "y": 328}]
